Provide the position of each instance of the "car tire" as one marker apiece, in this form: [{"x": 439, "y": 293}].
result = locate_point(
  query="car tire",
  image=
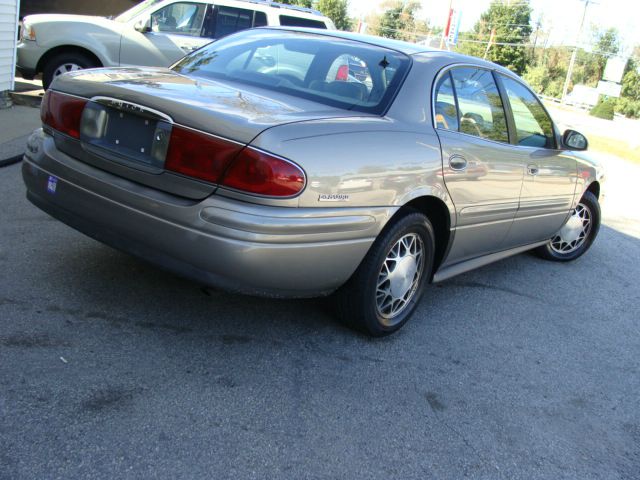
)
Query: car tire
[
  {"x": 64, "y": 62},
  {"x": 376, "y": 304},
  {"x": 577, "y": 234}
]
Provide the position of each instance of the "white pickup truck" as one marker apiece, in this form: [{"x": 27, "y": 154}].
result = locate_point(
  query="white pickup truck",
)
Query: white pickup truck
[{"x": 153, "y": 33}]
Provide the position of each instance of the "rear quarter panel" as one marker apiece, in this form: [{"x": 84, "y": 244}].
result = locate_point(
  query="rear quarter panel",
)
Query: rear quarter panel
[
  {"x": 360, "y": 162},
  {"x": 370, "y": 160}
]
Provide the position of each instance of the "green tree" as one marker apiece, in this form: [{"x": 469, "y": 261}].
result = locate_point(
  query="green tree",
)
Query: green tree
[
  {"x": 607, "y": 43},
  {"x": 398, "y": 20},
  {"x": 629, "y": 102},
  {"x": 631, "y": 81},
  {"x": 512, "y": 25},
  {"x": 336, "y": 10},
  {"x": 300, "y": 3},
  {"x": 604, "y": 109}
]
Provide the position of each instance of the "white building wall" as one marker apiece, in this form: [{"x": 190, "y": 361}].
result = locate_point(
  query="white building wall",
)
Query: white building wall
[{"x": 8, "y": 34}]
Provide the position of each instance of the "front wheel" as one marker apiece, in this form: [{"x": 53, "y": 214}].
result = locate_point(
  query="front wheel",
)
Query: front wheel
[
  {"x": 63, "y": 63},
  {"x": 384, "y": 291},
  {"x": 577, "y": 234}
]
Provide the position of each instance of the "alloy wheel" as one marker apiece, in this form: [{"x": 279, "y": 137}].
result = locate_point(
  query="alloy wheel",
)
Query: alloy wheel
[
  {"x": 399, "y": 277},
  {"x": 574, "y": 232},
  {"x": 66, "y": 67}
]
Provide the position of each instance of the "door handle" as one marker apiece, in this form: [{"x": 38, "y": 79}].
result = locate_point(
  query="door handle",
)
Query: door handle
[
  {"x": 457, "y": 162},
  {"x": 533, "y": 170},
  {"x": 188, "y": 48}
]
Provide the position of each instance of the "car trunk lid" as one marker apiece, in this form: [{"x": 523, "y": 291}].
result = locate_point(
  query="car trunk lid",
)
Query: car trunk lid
[{"x": 141, "y": 105}]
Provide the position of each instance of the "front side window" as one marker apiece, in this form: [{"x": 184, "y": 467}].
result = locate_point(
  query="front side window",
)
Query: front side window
[
  {"x": 182, "y": 18},
  {"x": 304, "y": 65},
  {"x": 481, "y": 109},
  {"x": 136, "y": 10},
  {"x": 445, "y": 108},
  {"x": 533, "y": 126}
]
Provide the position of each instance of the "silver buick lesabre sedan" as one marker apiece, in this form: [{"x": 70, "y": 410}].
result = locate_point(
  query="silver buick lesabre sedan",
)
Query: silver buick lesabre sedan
[{"x": 264, "y": 164}]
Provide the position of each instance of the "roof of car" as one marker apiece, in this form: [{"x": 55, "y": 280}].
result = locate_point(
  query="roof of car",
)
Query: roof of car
[
  {"x": 283, "y": 7},
  {"x": 404, "y": 47},
  {"x": 398, "y": 45}
]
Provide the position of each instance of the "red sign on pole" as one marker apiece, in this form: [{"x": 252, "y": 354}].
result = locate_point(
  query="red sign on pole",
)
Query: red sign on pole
[{"x": 446, "y": 30}]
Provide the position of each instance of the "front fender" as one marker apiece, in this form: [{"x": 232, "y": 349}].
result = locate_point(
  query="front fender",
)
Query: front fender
[
  {"x": 99, "y": 36},
  {"x": 589, "y": 170}
]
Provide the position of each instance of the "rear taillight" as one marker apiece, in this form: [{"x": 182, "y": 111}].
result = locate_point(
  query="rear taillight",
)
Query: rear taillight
[
  {"x": 199, "y": 155},
  {"x": 62, "y": 112},
  {"x": 216, "y": 160},
  {"x": 260, "y": 173},
  {"x": 343, "y": 73}
]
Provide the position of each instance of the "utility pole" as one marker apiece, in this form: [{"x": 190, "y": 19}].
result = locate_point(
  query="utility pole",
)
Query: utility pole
[
  {"x": 572, "y": 62},
  {"x": 492, "y": 38}
]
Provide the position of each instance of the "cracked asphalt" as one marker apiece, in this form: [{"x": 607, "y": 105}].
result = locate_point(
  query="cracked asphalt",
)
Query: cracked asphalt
[{"x": 111, "y": 368}]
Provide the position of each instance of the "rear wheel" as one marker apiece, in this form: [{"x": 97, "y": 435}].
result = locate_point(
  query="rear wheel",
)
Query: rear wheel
[
  {"x": 63, "y": 63},
  {"x": 577, "y": 234},
  {"x": 383, "y": 292}
]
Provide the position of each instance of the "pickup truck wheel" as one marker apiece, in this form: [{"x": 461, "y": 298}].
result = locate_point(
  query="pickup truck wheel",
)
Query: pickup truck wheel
[
  {"x": 63, "y": 63},
  {"x": 576, "y": 235},
  {"x": 382, "y": 294}
]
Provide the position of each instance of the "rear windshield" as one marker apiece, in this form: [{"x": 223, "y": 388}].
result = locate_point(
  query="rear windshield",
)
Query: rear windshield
[
  {"x": 289, "y": 21},
  {"x": 336, "y": 72}
]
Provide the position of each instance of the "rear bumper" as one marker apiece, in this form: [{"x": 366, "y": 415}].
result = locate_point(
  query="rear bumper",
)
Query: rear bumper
[{"x": 255, "y": 249}]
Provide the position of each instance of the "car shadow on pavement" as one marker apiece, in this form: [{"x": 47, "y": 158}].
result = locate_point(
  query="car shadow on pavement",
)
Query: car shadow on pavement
[
  {"x": 123, "y": 290},
  {"x": 525, "y": 365}
]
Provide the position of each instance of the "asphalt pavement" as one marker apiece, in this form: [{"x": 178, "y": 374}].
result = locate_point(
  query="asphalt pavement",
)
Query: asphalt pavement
[{"x": 111, "y": 368}]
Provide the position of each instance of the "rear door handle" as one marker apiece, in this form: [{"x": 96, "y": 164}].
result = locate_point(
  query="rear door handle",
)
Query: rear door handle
[
  {"x": 533, "y": 170},
  {"x": 457, "y": 162}
]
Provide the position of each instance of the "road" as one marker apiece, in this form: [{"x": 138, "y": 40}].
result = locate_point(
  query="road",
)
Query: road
[{"x": 110, "y": 368}]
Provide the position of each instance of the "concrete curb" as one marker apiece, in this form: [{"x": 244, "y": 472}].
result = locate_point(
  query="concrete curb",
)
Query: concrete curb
[
  {"x": 27, "y": 99},
  {"x": 13, "y": 150},
  {"x": 11, "y": 161}
]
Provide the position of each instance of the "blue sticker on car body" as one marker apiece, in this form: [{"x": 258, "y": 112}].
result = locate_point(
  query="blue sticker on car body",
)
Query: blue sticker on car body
[{"x": 52, "y": 184}]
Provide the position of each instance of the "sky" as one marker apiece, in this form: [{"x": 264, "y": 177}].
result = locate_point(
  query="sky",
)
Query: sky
[{"x": 560, "y": 17}]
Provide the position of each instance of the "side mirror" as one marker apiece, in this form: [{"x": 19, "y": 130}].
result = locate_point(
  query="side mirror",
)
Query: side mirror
[
  {"x": 575, "y": 140},
  {"x": 143, "y": 26}
]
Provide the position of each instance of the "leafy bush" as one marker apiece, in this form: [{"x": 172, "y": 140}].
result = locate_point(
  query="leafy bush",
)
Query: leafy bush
[
  {"x": 554, "y": 88},
  {"x": 604, "y": 109},
  {"x": 629, "y": 108},
  {"x": 537, "y": 78}
]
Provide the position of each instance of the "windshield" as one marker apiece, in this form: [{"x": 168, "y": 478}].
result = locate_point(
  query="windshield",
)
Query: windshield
[
  {"x": 136, "y": 10},
  {"x": 333, "y": 71}
]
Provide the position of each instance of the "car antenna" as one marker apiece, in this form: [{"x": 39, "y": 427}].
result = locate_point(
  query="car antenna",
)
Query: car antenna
[{"x": 384, "y": 63}]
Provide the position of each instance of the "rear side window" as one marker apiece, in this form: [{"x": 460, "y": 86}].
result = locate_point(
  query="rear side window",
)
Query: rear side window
[
  {"x": 446, "y": 111},
  {"x": 533, "y": 125},
  {"x": 260, "y": 19},
  {"x": 481, "y": 110},
  {"x": 230, "y": 20},
  {"x": 340, "y": 73},
  {"x": 290, "y": 21}
]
